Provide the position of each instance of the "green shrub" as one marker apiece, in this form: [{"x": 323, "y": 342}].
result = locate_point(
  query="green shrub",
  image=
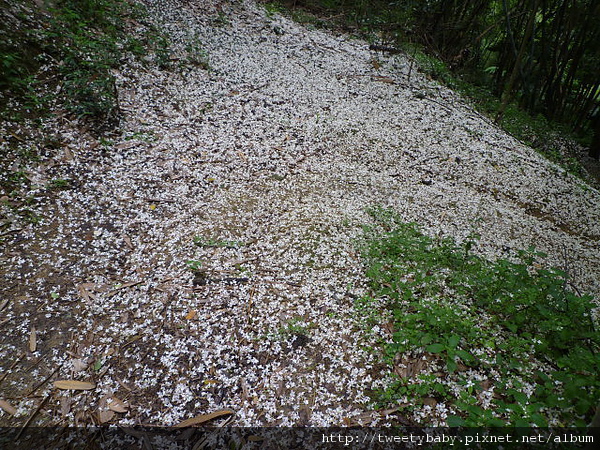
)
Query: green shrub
[{"x": 513, "y": 323}]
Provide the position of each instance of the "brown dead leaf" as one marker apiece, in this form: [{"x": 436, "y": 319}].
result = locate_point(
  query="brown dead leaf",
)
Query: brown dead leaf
[
  {"x": 68, "y": 154},
  {"x": 461, "y": 367},
  {"x": 127, "y": 240},
  {"x": 202, "y": 418},
  {"x": 388, "y": 327},
  {"x": 190, "y": 315},
  {"x": 124, "y": 386},
  {"x": 430, "y": 401},
  {"x": 362, "y": 419},
  {"x": 383, "y": 79},
  {"x": 105, "y": 415},
  {"x": 244, "y": 384},
  {"x": 242, "y": 155},
  {"x": 32, "y": 340},
  {"x": 8, "y": 407},
  {"x": 304, "y": 415},
  {"x": 117, "y": 405},
  {"x": 84, "y": 291},
  {"x": 79, "y": 365},
  {"x": 123, "y": 286},
  {"x": 126, "y": 145},
  {"x": 65, "y": 405},
  {"x": 75, "y": 385},
  {"x": 387, "y": 412},
  {"x": 412, "y": 367},
  {"x": 486, "y": 384}
]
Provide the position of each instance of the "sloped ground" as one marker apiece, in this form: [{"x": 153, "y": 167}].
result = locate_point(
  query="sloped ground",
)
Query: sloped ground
[{"x": 269, "y": 157}]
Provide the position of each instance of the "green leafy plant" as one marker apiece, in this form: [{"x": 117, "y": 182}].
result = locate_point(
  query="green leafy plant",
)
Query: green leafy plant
[
  {"x": 59, "y": 183},
  {"x": 273, "y": 8},
  {"x": 194, "y": 265},
  {"x": 295, "y": 326},
  {"x": 78, "y": 43},
  {"x": 514, "y": 324}
]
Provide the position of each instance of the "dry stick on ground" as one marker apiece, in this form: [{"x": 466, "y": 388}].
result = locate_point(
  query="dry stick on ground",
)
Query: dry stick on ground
[
  {"x": 10, "y": 231},
  {"x": 12, "y": 365},
  {"x": 43, "y": 382},
  {"x": 31, "y": 417}
]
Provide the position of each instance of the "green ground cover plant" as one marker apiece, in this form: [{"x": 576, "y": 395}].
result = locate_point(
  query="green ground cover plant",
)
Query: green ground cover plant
[
  {"x": 57, "y": 58},
  {"x": 505, "y": 343},
  {"x": 59, "y": 55}
]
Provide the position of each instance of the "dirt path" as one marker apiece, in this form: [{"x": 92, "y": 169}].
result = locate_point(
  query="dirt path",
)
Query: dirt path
[{"x": 204, "y": 258}]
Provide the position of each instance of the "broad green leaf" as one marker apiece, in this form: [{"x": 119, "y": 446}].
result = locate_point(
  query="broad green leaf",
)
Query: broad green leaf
[
  {"x": 495, "y": 423},
  {"x": 451, "y": 365},
  {"x": 465, "y": 356},
  {"x": 455, "y": 421},
  {"x": 539, "y": 420},
  {"x": 435, "y": 348},
  {"x": 453, "y": 341}
]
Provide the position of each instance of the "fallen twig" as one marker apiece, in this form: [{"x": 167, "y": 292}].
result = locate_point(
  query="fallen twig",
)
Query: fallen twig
[
  {"x": 37, "y": 410},
  {"x": 17, "y": 361}
]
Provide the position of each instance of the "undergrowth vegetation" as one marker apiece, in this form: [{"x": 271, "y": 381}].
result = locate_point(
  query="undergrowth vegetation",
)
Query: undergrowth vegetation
[
  {"x": 58, "y": 58},
  {"x": 477, "y": 342},
  {"x": 58, "y": 55}
]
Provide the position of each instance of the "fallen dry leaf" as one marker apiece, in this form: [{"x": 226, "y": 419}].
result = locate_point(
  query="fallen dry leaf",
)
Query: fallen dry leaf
[
  {"x": 123, "y": 286},
  {"x": 387, "y": 412},
  {"x": 127, "y": 240},
  {"x": 242, "y": 155},
  {"x": 117, "y": 405},
  {"x": 68, "y": 155},
  {"x": 105, "y": 415},
  {"x": 84, "y": 291},
  {"x": 65, "y": 405},
  {"x": 8, "y": 407},
  {"x": 79, "y": 365},
  {"x": 204, "y": 418},
  {"x": 32, "y": 340},
  {"x": 126, "y": 145},
  {"x": 383, "y": 79},
  {"x": 430, "y": 401},
  {"x": 75, "y": 385},
  {"x": 190, "y": 315}
]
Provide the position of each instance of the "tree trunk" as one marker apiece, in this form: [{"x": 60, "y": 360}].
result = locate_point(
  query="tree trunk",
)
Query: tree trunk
[
  {"x": 517, "y": 68},
  {"x": 594, "y": 151}
]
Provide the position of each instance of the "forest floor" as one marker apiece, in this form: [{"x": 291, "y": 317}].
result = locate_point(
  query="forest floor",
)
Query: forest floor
[{"x": 204, "y": 259}]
